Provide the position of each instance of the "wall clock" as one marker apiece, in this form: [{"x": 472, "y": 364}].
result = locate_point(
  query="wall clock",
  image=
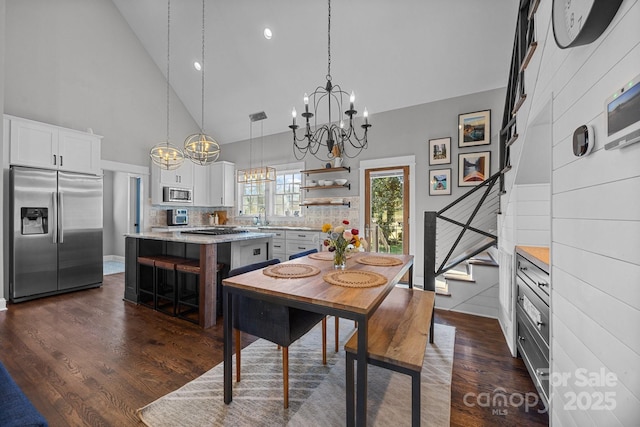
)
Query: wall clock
[{"x": 578, "y": 22}]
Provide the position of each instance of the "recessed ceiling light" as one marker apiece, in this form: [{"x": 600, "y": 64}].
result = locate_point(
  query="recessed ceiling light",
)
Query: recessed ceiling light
[
  {"x": 268, "y": 34},
  {"x": 197, "y": 66}
]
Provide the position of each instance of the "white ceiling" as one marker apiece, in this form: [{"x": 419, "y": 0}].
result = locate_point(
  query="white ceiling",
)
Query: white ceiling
[{"x": 392, "y": 54}]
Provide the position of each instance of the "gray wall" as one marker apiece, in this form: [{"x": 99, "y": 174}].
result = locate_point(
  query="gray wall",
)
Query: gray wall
[
  {"x": 395, "y": 133},
  {"x": 78, "y": 64}
]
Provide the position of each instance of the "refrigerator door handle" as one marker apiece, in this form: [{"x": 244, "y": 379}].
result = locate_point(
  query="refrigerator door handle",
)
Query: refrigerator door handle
[
  {"x": 54, "y": 229},
  {"x": 61, "y": 217}
]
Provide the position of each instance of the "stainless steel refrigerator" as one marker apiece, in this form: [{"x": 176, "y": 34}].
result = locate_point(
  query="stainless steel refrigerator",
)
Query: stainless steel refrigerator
[{"x": 56, "y": 229}]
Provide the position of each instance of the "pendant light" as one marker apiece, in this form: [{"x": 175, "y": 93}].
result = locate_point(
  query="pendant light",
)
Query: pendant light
[
  {"x": 200, "y": 147},
  {"x": 339, "y": 139},
  {"x": 257, "y": 174},
  {"x": 164, "y": 154}
]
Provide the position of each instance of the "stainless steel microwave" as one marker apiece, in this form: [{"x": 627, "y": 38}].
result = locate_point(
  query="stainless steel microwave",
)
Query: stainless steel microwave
[{"x": 177, "y": 195}]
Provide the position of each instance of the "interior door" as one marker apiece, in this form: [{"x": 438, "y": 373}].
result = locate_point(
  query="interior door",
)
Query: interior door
[{"x": 387, "y": 209}]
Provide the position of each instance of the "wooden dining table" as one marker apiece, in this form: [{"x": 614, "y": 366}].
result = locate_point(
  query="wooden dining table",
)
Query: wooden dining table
[{"x": 315, "y": 294}]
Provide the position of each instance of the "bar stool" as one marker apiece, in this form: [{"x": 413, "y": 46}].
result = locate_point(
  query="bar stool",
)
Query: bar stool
[
  {"x": 147, "y": 281},
  {"x": 188, "y": 289},
  {"x": 165, "y": 283}
]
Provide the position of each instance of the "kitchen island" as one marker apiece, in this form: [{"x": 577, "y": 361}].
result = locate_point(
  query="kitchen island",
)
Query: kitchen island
[{"x": 179, "y": 273}]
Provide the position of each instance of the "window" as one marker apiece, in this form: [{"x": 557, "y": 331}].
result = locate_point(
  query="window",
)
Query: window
[
  {"x": 252, "y": 198},
  {"x": 287, "y": 193},
  {"x": 277, "y": 198}
]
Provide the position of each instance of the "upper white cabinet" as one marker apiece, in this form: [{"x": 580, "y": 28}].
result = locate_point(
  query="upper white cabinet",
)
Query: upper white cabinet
[
  {"x": 47, "y": 146},
  {"x": 181, "y": 177},
  {"x": 222, "y": 184}
]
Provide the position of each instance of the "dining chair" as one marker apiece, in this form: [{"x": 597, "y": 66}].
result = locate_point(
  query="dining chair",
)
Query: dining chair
[
  {"x": 301, "y": 254},
  {"x": 273, "y": 322}
]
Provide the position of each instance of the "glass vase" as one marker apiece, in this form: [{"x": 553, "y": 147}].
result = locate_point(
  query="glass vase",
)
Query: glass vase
[{"x": 339, "y": 259}]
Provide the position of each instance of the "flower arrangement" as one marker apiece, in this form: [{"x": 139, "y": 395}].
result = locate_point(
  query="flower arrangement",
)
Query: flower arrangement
[{"x": 341, "y": 240}]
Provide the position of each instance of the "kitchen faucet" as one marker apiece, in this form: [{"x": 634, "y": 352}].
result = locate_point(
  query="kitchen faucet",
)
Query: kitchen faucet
[{"x": 260, "y": 222}]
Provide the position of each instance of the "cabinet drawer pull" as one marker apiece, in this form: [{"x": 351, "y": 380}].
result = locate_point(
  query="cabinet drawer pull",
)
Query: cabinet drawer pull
[
  {"x": 520, "y": 299},
  {"x": 542, "y": 284},
  {"x": 521, "y": 338},
  {"x": 61, "y": 160},
  {"x": 54, "y": 159},
  {"x": 540, "y": 324},
  {"x": 301, "y": 247}
]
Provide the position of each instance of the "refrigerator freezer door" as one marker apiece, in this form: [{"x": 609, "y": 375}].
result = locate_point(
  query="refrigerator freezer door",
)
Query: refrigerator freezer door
[
  {"x": 80, "y": 230},
  {"x": 34, "y": 255}
]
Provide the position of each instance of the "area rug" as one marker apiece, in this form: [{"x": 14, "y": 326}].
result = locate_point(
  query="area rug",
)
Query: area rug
[{"x": 316, "y": 391}]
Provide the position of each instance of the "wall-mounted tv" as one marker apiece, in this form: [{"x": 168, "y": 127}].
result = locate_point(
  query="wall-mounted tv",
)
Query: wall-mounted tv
[{"x": 623, "y": 115}]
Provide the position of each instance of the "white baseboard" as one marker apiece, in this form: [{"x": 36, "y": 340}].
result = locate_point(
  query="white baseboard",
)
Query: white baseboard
[
  {"x": 3, "y": 304},
  {"x": 116, "y": 258}
]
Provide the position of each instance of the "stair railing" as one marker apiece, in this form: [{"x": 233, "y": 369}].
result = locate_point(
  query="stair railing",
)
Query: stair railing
[{"x": 462, "y": 229}]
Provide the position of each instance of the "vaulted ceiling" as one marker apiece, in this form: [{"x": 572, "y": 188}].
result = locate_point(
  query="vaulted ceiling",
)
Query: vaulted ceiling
[{"x": 392, "y": 54}]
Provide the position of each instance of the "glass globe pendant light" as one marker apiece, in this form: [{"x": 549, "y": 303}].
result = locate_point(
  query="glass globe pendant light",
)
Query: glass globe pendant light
[
  {"x": 164, "y": 154},
  {"x": 200, "y": 147}
]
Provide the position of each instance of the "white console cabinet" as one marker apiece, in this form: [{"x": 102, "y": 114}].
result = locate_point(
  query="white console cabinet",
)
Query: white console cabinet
[{"x": 47, "y": 146}]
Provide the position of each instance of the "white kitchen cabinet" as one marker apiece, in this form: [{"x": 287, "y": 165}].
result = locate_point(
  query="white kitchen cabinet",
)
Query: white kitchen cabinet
[
  {"x": 79, "y": 151},
  {"x": 201, "y": 180},
  {"x": 47, "y": 146},
  {"x": 222, "y": 184},
  {"x": 300, "y": 241},
  {"x": 181, "y": 177},
  {"x": 279, "y": 245}
]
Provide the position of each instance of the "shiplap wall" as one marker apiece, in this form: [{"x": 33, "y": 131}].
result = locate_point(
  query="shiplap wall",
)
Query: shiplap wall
[
  {"x": 595, "y": 225},
  {"x": 533, "y": 214}
]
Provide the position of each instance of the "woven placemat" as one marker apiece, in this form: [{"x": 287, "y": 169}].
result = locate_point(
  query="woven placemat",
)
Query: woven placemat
[
  {"x": 291, "y": 271},
  {"x": 325, "y": 256},
  {"x": 383, "y": 261},
  {"x": 355, "y": 278}
]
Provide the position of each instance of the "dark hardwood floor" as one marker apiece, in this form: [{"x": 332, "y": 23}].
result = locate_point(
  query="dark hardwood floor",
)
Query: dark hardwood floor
[{"x": 89, "y": 358}]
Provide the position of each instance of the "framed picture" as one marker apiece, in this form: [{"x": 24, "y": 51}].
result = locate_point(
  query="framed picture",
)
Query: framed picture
[
  {"x": 439, "y": 182},
  {"x": 473, "y": 168},
  {"x": 474, "y": 129},
  {"x": 439, "y": 151}
]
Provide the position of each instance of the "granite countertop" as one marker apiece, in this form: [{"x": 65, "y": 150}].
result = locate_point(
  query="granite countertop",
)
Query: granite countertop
[
  {"x": 200, "y": 239},
  {"x": 256, "y": 228}
]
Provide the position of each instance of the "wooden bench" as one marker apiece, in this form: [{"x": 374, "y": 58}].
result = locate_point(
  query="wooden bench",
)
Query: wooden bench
[{"x": 398, "y": 332}]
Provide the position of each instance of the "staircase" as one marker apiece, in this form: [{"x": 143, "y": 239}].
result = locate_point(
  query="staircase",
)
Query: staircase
[
  {"x": 467, "y": 227},
  {"x": 471, "y": 287}
]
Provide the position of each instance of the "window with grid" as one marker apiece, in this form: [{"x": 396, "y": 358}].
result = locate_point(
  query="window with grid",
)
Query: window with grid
[
  {"x": 277, "y": 198},
  {"x": 286, "y": 197},
  {"x": 252, "y": 198}
]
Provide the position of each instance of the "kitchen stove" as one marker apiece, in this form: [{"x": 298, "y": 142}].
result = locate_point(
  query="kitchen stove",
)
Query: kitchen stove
[{"x": 216, "y": 231}]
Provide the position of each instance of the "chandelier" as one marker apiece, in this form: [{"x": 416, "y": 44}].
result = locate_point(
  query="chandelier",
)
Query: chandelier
[
  {"x": 339, "y": 139},
  {"x": 261, "y": 173},
  {"x": 164, "y": 154},
  {"x": 200, "y": 147}
]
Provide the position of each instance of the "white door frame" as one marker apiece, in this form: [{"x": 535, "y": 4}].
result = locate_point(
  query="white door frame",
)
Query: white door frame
[{"x": 391, "y": 162}]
